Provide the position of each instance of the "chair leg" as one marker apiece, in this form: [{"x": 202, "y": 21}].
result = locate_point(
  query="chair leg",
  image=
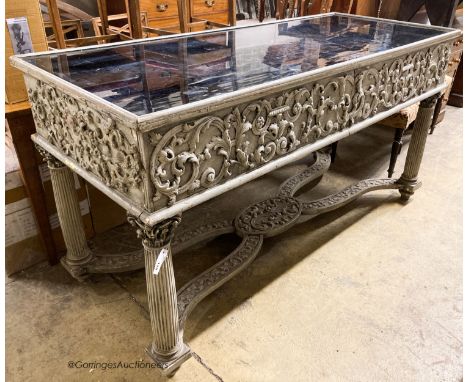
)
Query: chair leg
[
  {"x": 437, "y": 109},
  {"x": 396, "y": 149},
  {"x": 334, "y": 148}
]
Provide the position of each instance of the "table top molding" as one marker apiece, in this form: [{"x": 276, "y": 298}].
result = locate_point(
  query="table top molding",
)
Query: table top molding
[
  {"x": 226, "y": 29},
  {"x": 188, "y": 111}
]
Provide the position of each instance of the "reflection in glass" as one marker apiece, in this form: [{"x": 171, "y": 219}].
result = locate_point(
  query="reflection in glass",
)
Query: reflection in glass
[{"x": 155, "y": 75}]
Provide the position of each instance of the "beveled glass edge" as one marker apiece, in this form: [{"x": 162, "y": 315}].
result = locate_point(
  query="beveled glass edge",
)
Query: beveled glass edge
[
  {"x": 166, "y": 37},
  {"x": 171, "y": 115}
]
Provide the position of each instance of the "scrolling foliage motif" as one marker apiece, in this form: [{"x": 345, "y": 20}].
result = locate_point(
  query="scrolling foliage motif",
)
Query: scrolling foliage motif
[
  {"x": 89, "y": 137},
  {"x": 195, "y": 156}
]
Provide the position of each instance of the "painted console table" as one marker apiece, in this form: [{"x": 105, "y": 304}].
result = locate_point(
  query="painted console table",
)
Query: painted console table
[{"x": 161, "y": 125}]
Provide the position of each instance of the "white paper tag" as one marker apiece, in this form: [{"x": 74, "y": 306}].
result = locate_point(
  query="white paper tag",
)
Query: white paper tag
[{"x": 160, "y": 260}]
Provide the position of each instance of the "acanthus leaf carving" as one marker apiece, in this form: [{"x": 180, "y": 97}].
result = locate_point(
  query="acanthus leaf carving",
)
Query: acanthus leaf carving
[{"x": 197, "y": 155}]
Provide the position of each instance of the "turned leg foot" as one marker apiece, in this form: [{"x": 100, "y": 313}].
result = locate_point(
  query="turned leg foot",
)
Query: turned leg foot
[
  {"x": 409, "y": 179},
  {"x": 167, "y": 348}
]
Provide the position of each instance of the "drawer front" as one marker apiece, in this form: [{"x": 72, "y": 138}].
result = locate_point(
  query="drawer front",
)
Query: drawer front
[
  {"x": 221, "y": 17},
  {"x": 217, "y": 17},
  {"x": 159, "y": 9},
  {"x": 165, "y": 23},
  {"x": 203, "y": 7}
]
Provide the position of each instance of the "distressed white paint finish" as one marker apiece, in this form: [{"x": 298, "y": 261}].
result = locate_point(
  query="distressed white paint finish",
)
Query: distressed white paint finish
[
  {"x": 162, "y": 301},
  {"x": 158, "y": 170},
  {"x": 167, "y": 347},
  {"x": 201, "y": 154},
  {"x": 100, "y": 143},
  {"x": 414, "y": 157},
  {"x": 71, "y": 223}
]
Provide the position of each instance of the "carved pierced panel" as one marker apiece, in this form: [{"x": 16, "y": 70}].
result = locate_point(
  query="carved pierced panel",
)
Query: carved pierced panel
[
  {"x": 91, "y": 137},
  {"x": 197, "y": 155}
]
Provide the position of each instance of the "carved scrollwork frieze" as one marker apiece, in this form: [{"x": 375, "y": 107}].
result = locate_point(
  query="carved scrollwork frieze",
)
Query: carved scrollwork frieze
[
  {"x": 89, "y": 136},
  {"x": 197, "y": 155}
]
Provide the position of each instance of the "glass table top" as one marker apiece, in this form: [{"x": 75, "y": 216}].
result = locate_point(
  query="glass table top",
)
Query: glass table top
[{"x": 154, "y": 75}]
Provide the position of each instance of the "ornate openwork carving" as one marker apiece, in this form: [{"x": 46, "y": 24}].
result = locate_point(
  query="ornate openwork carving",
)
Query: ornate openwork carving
[
  {"x": 88, "y": 136},
  {"x": 204, "y": 284},
  {"x": 195, "y": 156},
  {"x": 346, "y": 195},
  {"x": 321, "y": 165}
]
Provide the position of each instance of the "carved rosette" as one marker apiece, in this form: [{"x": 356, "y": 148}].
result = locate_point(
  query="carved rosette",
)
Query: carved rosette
[
  {"x": 158, "y": 235},
  {"x": 195, "y": 156},
  {"x": 90, "y": 137},
  {"x": 268, "y": 217}
]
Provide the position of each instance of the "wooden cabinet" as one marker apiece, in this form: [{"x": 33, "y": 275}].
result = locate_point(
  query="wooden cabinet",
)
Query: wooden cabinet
[
  {"x": 208, "y": 8},
  {"x": 165, "y": 13},
  {"x": 453, "y": 65},
  {"x": 161, "y": 13}
]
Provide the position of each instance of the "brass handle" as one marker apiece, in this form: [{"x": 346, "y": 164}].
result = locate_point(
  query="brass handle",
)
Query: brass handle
[
  {"x": 162, "y": 7},
  {"x": 209, "y": 3}
]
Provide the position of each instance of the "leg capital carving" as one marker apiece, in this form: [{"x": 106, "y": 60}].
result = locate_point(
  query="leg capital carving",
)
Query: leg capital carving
[
  {"x": 156, "y": 236},
  {"x": 52, "y": 161}
]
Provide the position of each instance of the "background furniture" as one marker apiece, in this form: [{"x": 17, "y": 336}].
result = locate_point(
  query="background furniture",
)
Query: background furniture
[
  {"x": 21, "y": 126},
  {"x": 173, "y": 16},
  {"x": 400, "y": 122},
  {"x": 60, "y": 29},
  {"x": 117, "y": 24}
]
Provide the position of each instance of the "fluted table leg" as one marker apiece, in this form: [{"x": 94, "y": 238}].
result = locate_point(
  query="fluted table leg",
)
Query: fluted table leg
[
  {"x": 167, "y": 348},
  {"x": 409, "y": 178},
  {"x": 69, "y": 214}
]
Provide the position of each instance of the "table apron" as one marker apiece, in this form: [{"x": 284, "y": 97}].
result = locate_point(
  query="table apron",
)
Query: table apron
[{"x": 152, "y": 218}]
